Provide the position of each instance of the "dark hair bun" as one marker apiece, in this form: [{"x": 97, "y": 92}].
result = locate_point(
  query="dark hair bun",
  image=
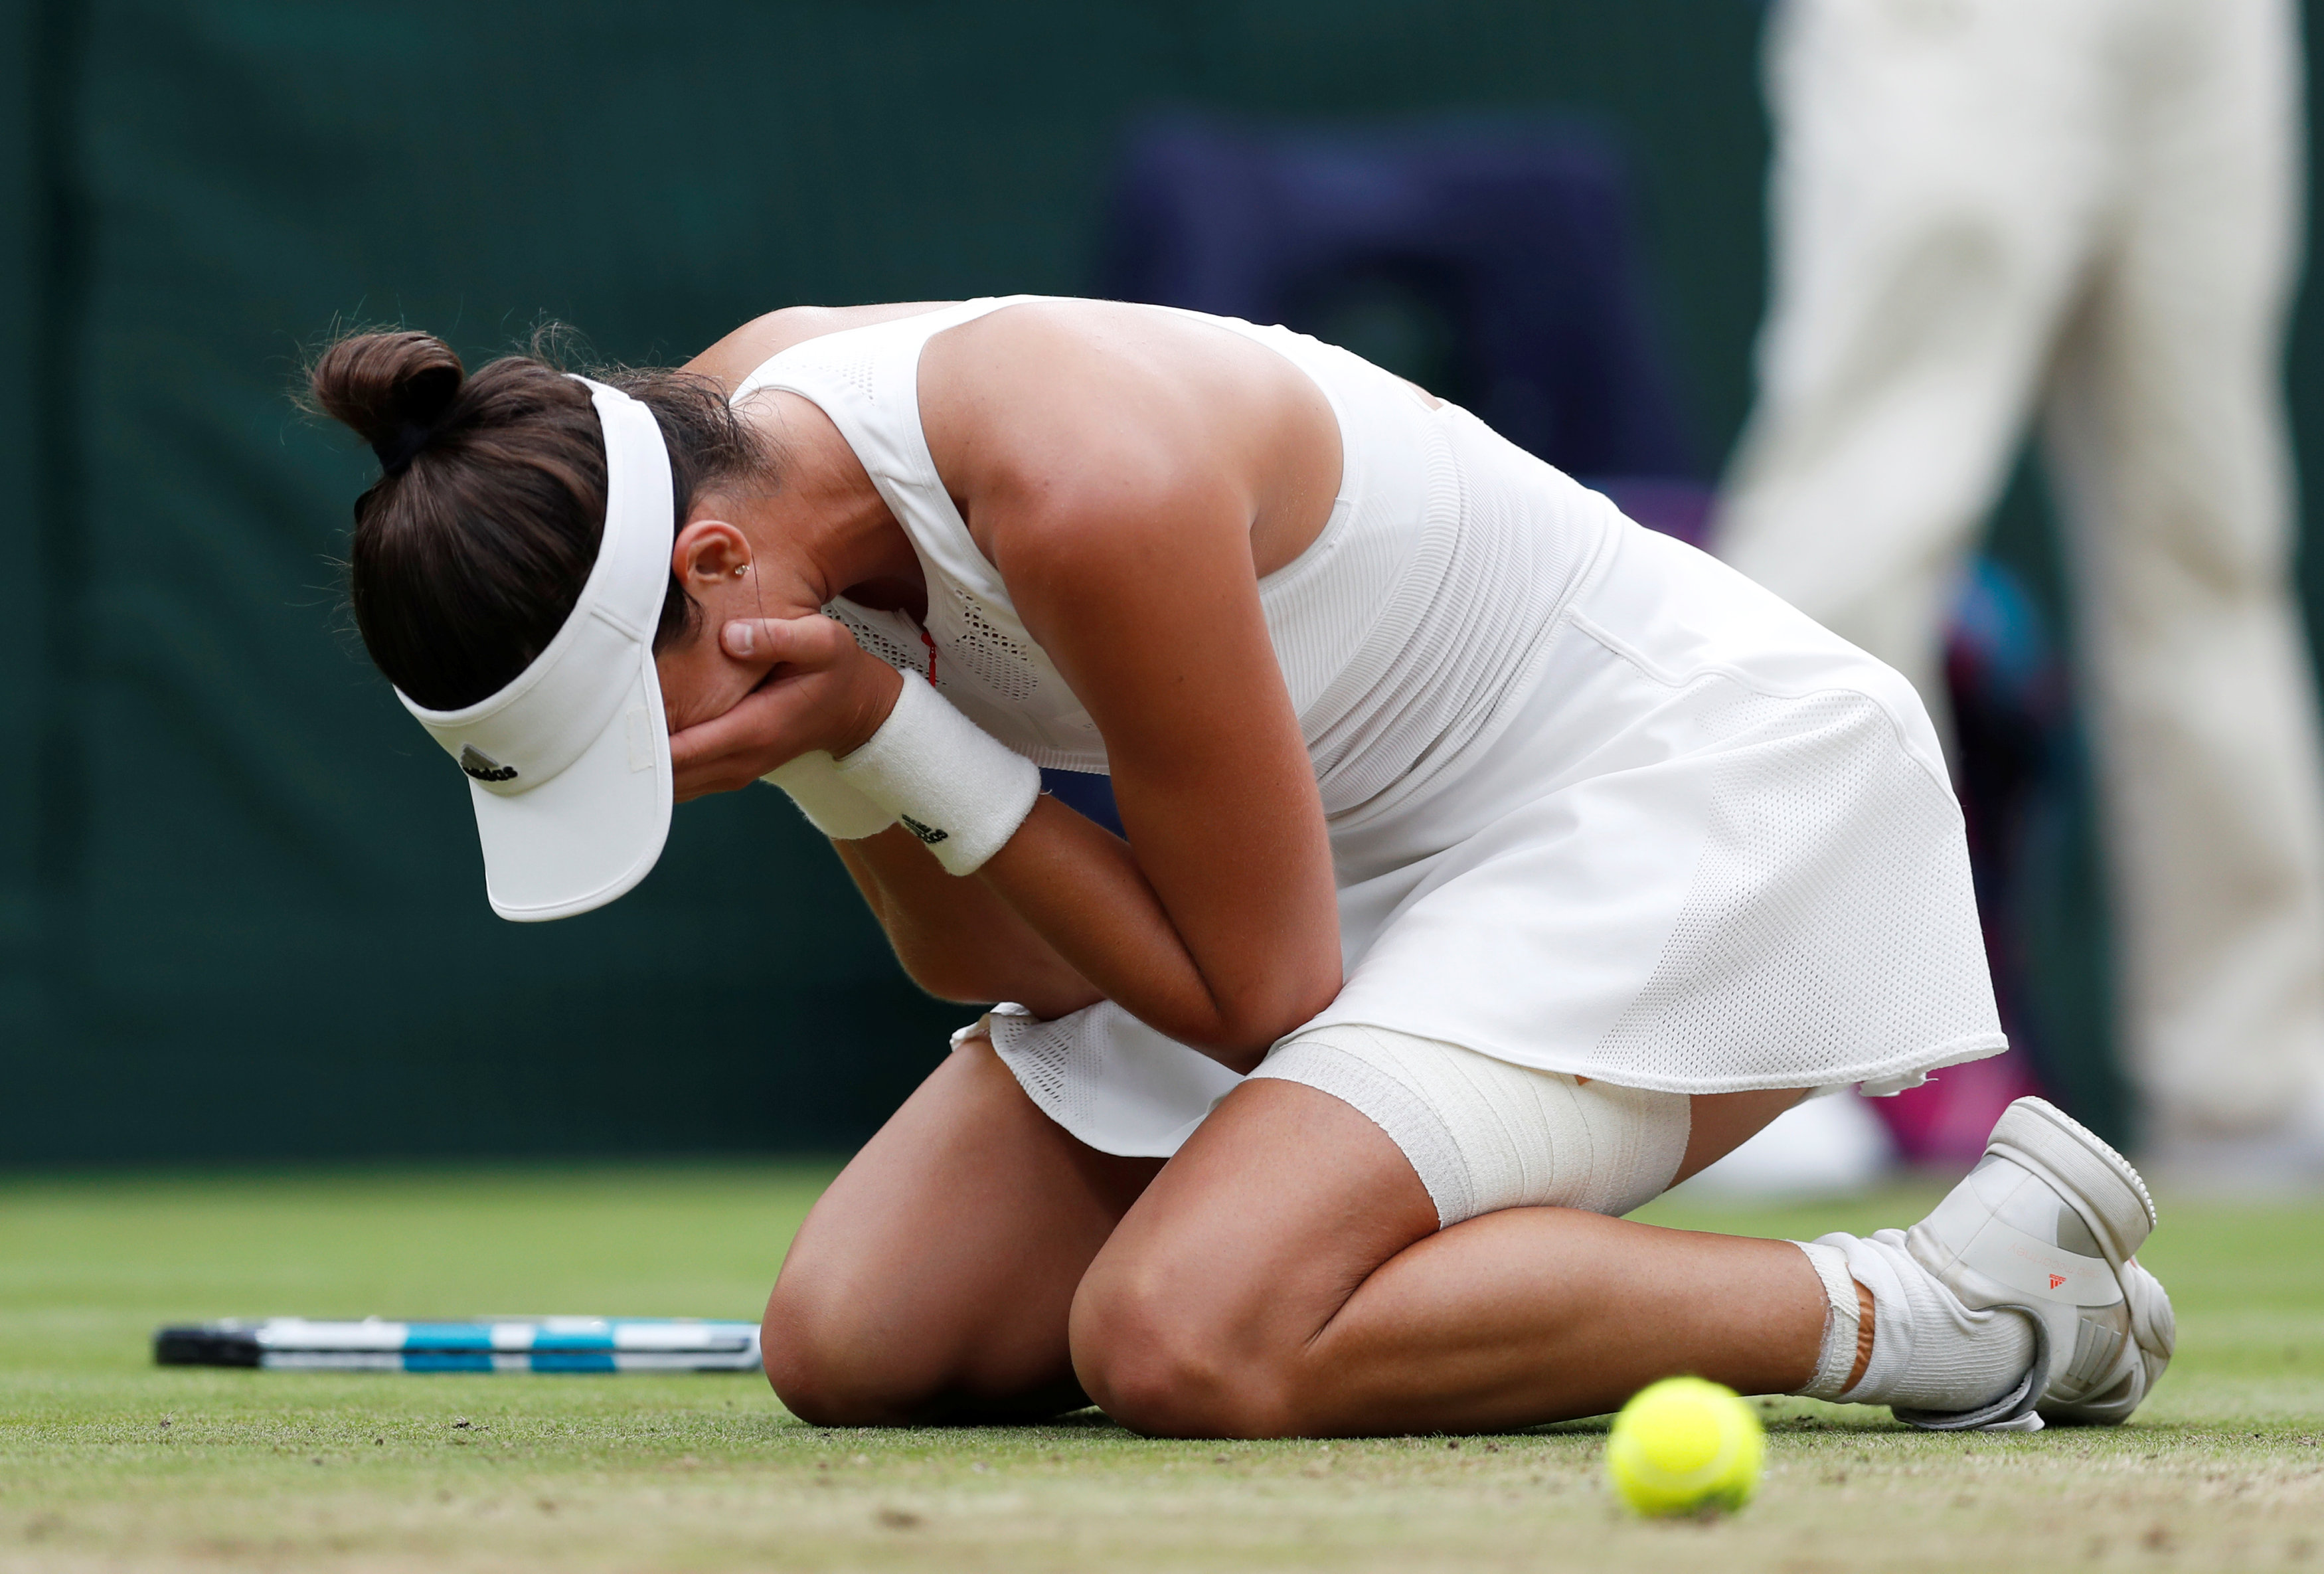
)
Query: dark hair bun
[
  {"x": 462, "y": 568},
  {"x": 392, "y": 388}
]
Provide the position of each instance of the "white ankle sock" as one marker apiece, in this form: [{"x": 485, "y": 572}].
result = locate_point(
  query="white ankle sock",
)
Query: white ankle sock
[
  {"x": 1929, "y": 1351},
  {"x": 1842, "y": 1318}
]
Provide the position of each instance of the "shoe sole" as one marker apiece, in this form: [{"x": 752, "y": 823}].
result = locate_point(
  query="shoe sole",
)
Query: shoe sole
[{"x": 2081, "y": 1168}]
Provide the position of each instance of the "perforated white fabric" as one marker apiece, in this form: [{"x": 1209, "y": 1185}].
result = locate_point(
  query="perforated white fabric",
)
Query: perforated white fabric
[
  {"x": 1102, "y": 1070},
  {"x": 859, "y": 373},
  {"x": 978, "y": 643},
  {"x": 1041, "y": 1054},
  {"x": 889, "y": 635},
  {"x": 1813, "y": 811},
  {"x": 1597, "y": 804}
]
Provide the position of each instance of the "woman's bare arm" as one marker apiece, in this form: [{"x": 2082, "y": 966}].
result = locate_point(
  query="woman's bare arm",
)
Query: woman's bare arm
[
  {"x": 1129, "y": 490},
  {"x": 959, "y": 940},
  {"x": 1123, "y": 475}
]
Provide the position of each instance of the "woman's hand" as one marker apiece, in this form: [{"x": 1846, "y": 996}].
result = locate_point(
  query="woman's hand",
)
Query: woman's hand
[{"x": 820, "y": 690}]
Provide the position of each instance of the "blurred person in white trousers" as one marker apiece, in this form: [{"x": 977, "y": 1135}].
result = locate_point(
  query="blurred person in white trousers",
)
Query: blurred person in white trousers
[{"x": 1984, "y": 211}]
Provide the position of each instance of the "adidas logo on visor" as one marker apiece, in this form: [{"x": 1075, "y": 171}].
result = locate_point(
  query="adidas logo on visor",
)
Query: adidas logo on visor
[
  {"x": 567, "y": 718},
  {"x": 484, "y": 767}
]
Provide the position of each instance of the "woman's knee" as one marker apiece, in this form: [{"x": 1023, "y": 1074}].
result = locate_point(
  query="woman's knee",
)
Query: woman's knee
[
  {"x": 1160, "y": 1366},
  {"x": 842, "y": 1353},
  {"x": 828, "y": 1369}
]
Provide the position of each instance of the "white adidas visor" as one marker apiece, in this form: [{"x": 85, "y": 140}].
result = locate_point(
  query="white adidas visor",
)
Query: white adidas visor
[{"x": 569, "y": 765}]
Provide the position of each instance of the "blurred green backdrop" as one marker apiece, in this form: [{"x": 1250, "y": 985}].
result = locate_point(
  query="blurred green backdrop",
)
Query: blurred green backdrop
[{"x": 240, "y": 904}]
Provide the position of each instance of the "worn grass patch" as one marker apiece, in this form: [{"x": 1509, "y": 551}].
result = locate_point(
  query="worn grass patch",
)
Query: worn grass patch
[{"x": 107, "y": 1462}]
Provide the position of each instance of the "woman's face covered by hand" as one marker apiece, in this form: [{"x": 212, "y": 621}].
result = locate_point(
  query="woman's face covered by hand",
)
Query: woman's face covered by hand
[{"x": 752, "y": 684}]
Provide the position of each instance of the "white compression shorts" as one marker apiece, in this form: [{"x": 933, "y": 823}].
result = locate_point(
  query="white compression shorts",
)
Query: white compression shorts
[{"x": 1484, "y": 1135}]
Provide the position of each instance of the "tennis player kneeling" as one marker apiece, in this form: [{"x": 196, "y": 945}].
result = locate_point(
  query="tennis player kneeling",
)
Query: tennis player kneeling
[{"x": 1492, "y": 863}]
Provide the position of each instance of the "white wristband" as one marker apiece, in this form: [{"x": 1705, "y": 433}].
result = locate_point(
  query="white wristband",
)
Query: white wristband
[
  {"x": 954, "y": 786},
  {"x": 834, "y": 808}
]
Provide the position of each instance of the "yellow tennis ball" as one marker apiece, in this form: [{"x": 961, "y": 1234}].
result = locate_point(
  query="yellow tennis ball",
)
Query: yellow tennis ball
[{"x": 1686, "y": 1446}]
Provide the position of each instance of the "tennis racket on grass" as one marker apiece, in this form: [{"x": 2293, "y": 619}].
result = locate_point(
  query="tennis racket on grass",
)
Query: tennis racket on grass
[{"x": 516, "y": 1344}]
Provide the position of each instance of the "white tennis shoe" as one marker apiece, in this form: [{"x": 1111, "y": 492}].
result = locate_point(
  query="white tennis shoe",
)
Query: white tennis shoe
[{"x": 2046, "y": 1225}]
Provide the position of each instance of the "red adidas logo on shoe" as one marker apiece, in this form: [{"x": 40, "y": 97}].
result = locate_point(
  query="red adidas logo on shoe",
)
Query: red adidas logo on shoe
[{"x": 2056, "y": 1280}]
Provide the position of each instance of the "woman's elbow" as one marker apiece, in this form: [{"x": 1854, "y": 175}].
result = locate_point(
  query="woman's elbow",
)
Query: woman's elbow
[
  {"x": 979, "y": 981},
  {"x": 1241, "y": 1030}
]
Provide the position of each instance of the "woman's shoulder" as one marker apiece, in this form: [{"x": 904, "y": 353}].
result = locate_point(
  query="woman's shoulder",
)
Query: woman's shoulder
[{"x": 758, "y": 341}]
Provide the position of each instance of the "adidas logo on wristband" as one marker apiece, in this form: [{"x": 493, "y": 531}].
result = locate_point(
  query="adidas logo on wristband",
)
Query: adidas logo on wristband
[{"x": 928, "y": 757}]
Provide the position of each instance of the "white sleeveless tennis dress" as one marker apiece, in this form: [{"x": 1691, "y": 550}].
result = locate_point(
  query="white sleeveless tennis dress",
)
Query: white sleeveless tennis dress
[{"x": 1597, "y": 804}]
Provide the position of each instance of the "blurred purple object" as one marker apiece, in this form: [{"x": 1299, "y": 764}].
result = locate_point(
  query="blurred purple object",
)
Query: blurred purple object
[
  {"x": 1491, "y": 258},
  {"x": 1674, "y": 507},
  {"x": 1944, "y": 1122},
  {"x": 1085, "y": 792}
]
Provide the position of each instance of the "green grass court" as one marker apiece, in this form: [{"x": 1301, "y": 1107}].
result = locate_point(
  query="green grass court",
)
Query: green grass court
[{"x": 108, "y": 1463}]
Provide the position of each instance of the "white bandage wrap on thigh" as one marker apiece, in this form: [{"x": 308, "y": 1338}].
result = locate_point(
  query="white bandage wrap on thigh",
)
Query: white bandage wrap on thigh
[
  {"x": 954, "y": 786},
  {"x": 1484, "y": 1135},
  {"x": 834, "y": 808}
]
